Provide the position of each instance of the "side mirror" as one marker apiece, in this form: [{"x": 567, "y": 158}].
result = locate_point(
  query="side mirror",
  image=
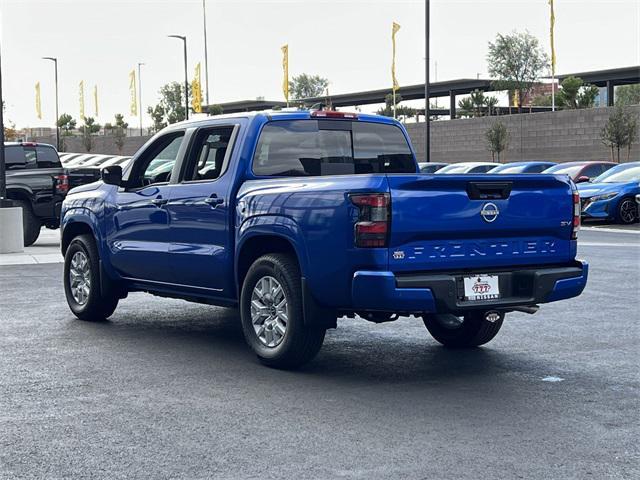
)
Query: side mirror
[
  {"x": 112, "y": 175},
  {"x": 582, "y": 179}
]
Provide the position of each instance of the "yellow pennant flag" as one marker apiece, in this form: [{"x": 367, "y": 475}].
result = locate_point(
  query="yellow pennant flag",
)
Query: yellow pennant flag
[
  {"x": 95, "y": 98},
  {"x": 553, "y": 48},
  {"x": 285, "y": 71},
  {"x": 81, "y": 93},
  {"x": 38, "y": 102},
  {"x": 196, "y": 92},
  {"x": 133, "y": 108},
  {"x": 394, "y": 29}
]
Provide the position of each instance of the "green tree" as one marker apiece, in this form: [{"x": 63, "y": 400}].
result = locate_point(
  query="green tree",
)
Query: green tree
[
  {"x": 477, "y": 104},
  {"x": 402, "y": 112},
  {"x": 157, "y": 116},
  {"x": 170, "y": 109},
  {"x": 118, "y": 130},
  {"x": 497, "y": 139},
  {"x": 627, "y": 95},
  {"x": 67, "y": 124},
  {"x": 215, "y": 110},
  {"x": 518, "y": 62},
  {"x": 573, "y": 94},
  {"x": 307, "y": 86},
  {"x": 87, "y": 129},
  {"x": 620, "y": 131}
]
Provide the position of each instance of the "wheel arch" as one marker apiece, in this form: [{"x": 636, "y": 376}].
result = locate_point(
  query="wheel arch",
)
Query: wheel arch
[{"x": 73, "y": 227}]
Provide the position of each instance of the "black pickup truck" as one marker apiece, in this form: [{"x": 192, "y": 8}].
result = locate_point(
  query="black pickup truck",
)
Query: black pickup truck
[{"x": 37, "y": 182}]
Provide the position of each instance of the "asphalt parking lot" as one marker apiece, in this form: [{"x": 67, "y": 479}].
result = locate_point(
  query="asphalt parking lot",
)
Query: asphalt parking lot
[{"x": 168, "y": 389}]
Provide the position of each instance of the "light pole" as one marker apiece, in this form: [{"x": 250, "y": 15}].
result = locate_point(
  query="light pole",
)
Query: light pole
[
  {"x": 206, "y": 55},
  {"x": 3, "y": 176},
  {"x": 140, "y": 96},
  {"x": 186, "y": 78},
  {"x": 55, "y": 65},
  {"x": 427, "y": 139}
]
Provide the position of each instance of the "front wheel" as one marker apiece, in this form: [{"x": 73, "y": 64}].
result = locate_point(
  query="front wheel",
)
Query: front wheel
[
  {"x": 472, "y": 330},
  {"x": 627, "y": 211},
  {"x": 82, "y": 281},
  {"x": 272, "y": 314}
]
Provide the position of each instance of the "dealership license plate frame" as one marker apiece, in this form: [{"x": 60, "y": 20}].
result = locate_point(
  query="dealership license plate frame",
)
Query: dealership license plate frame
[{"x": 481, "y": 287}]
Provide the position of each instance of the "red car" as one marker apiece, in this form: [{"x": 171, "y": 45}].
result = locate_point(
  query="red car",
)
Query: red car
[{"x": 581, "y": 171}]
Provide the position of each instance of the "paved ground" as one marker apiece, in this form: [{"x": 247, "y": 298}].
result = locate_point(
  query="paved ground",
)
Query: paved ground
[{"x": 167, "y": 389}]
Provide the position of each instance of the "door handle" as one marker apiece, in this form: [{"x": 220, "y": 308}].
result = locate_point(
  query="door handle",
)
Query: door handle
[
  {"x": 213, "y": 201},
  {"x": 159, "y": 202}
]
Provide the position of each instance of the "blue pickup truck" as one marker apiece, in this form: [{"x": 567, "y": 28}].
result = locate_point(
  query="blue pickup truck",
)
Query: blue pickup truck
[{"x": 300, "y": 218}]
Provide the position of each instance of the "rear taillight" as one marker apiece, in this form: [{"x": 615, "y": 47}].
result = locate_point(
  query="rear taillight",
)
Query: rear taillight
[
  {"x": 576, "y": 215},
  {"x": 61, "y": 183},
  {"x": 372, "y": 228}
]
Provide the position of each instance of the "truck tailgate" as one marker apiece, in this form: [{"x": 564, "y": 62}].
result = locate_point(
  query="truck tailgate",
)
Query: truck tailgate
[{"x": 468, "y": 222}]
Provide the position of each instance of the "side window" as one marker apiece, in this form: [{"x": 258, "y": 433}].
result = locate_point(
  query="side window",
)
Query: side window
[
  {"x": 210, "y": 153},
  {"x": 592, "y": 171},
  {"x": 156, "y": 163},
  {"x": 47, "y": 157},
  {"x": 14, "y": 157}
]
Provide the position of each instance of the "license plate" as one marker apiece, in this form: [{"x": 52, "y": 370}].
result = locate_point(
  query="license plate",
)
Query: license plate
[{"x": 481, "y": 287}]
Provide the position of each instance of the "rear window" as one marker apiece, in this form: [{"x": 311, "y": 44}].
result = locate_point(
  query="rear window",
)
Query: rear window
[
  {"x": 47, "y": 157},
  {"x": 331, "y": 147},
  {"x": 19, "y": 157}
]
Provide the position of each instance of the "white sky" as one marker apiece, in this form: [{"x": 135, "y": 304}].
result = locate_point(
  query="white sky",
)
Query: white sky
[{"x": 100, "y": 41}]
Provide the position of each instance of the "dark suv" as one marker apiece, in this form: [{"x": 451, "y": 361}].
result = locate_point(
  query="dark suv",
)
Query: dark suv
[{"x": 36, "y": 182}]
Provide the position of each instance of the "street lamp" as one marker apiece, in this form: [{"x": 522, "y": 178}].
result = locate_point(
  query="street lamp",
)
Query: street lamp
[
  {"x": 55, "y": 64},
  {"x": 186, "y": 78},
  {"x": 206, "y": 55},
  {"x": 140, "y": 96},
  {"x": 427, "y": 139}
]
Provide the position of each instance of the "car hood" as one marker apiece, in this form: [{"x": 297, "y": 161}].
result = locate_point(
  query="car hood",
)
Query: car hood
[{"x": 588, "y": 190}]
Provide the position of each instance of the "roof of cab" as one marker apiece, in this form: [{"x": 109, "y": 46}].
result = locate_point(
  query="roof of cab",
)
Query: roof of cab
[{"x": 269, "y": 115}]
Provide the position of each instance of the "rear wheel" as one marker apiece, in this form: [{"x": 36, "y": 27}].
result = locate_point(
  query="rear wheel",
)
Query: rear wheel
[
  {"x": 471, "y": 330},
  {"x": 82, "y": 285},
  {"x": 30, "y": 223},
  {"x": 272, "y": 314},
  {"x": 627, "y": 211}
]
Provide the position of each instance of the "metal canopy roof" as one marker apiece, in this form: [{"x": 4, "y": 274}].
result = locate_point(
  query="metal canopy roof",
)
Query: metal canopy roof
[{"x": 617, "y": 76}]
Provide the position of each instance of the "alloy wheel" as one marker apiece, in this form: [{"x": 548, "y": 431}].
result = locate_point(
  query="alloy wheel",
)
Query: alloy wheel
[
  {"x": 269, "y": 311},
  {"x": 80, "y": 278}
]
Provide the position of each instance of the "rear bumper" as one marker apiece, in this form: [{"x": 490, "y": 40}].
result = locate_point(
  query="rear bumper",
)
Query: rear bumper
[{"x": 442, "y": 293}]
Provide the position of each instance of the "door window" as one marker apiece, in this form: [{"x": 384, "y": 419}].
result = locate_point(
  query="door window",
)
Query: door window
[
  {"x": 156, "y": 163},
  {"x": 209, "y": 156}
]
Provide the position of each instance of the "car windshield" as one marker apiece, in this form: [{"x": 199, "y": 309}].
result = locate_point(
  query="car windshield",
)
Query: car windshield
[
  {"x": 454, "y": 169},
  {"x": 620, "y": 174},
  {"x": 570, "y": 170}
]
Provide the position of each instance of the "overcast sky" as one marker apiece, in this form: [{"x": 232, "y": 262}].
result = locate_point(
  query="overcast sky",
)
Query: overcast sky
[{"x": 347, "y": 41}]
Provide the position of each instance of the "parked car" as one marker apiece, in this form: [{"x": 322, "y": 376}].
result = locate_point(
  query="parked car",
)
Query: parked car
[
  {"x": 37, "y": 183},
  {"x": 466, "y": 167},
  {"x": 611, "y": 195},
  {"x": 522, "y": 167},
  {"x": 300, "y": 218},
  {"x": 430, "y": 167},
  {"x": 581, "y": 171}
]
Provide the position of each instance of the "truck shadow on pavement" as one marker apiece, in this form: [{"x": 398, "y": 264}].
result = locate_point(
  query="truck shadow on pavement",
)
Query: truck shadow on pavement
[{"x": 211, "y": 338}]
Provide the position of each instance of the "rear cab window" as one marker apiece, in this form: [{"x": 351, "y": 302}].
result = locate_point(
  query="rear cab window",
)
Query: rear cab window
[
  {"x": 331, "y": 147},
  {"x": 27, "y": 157}
]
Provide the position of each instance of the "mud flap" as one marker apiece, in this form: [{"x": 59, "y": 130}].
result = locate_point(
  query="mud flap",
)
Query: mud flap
[{"x": 314, "y": 314}]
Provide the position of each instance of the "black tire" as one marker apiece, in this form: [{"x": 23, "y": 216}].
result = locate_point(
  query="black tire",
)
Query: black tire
[
  {"x": 627, "y": 211},
  {"x": 99, "y": 305},
  {"x": 300, "y": 343},
  {"x": 473, "y": 331},
  {"x": 31, "y": 225}
]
